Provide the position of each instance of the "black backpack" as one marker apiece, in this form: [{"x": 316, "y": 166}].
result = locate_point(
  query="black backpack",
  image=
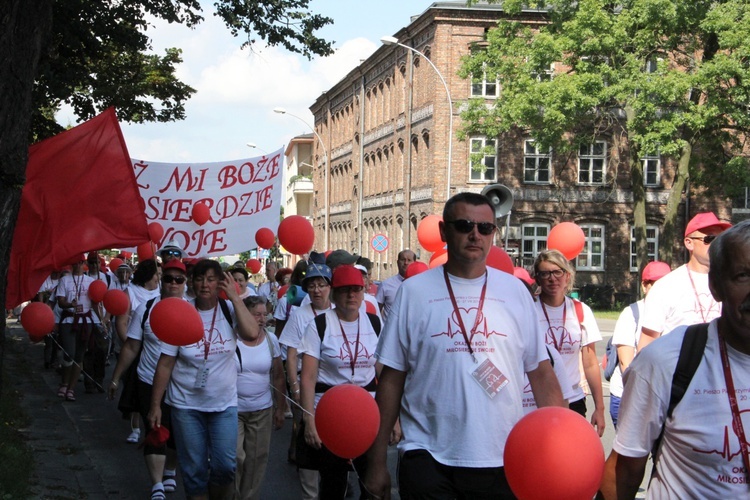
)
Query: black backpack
[{"x": 320, "y": 324}]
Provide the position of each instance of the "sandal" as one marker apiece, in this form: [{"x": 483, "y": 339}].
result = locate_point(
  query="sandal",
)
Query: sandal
[
  {"x": 61, "y": 391},
  {"x": 70, "y": 395},
  {"x": 157, "y": 492}
]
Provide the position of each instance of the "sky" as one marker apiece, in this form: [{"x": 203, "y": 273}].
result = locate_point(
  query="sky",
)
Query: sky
[{"x": 237, "y": 90}]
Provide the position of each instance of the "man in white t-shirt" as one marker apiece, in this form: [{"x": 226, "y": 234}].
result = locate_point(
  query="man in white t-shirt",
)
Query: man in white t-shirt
[
  {"x": 682, "y": 297},
  {"x": 703, "y": 451},
  {"x": 454, "y": 351},
  {"x": 388, "y": 288}
]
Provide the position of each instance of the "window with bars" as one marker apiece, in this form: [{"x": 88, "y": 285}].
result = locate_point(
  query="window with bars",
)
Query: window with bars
[
  {"x": 482, "y": 163},
  {"x": 592, "y": 163},
  {"x": 536, "y": 164},
  {"x": 533, "y": 240},
  {"x": 591, "y": 257},
  {"x": 651, "y": 170},
  {"x": 652, "y": 243}
]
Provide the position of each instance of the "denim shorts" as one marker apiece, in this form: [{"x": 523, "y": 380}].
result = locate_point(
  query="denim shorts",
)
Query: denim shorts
[{"x": 206, "y": 447}]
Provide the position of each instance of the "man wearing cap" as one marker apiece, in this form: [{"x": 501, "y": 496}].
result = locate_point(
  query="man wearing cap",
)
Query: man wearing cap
[
  {"x": 171, "y": 251},
  {"x": 317, "y": 284},
  {"x": 682, "y": 297},
  {"x": 455, "y": 348},
  {"x": 387, "y": 290},
  {"x": 627, "y": 332},
  {"x": 270, "y": 288}
]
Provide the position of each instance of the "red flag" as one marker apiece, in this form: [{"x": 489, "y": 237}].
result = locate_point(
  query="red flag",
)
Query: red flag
[{"x": 80, "y": 195}]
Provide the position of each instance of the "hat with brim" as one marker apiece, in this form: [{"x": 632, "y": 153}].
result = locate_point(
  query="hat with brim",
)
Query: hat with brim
[
  {"x": 340, "y": 257},
  {"x": 172, "y": 246},
  {"x": 704, "y": 221},
  {"x": 175, "y": 264},
  {"x": 655, "y": 270},
  {"x": 316, "y": 271},
  {"x": 347, "y": 275}
]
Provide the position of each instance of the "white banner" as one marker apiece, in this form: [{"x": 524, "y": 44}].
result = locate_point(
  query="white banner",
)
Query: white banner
[{"x": 242, "y": 196}]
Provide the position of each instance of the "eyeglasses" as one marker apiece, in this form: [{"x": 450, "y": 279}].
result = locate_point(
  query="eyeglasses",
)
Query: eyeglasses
[
  {"x": 171, "y": 253},
  {"x": 317, "y": 286},
  {"x": 173, "y": 279},
  {"x": 350, "y": 289},
  {"x": 466, "y": 226},
  {"x": 543, "y": 275},
  {"x": 705, "y": 239}
]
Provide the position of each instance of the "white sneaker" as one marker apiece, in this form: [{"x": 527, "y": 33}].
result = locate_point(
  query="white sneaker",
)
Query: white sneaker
[{"x": 134, "y": 436}]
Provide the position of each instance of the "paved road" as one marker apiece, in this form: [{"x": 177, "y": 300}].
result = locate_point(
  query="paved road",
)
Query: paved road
[{"x": 80, "y": 447}]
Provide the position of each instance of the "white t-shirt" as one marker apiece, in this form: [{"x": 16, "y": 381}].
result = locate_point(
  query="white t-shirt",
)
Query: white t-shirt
[
  {"x": 48, "y": 285},
  {"x": 283, "y": 310},
  {"x": 387, "y": 292},
  {"x": 340, "y": 351},
  {"x": 568, "y": 339},
  {"x": 700, "y": 453},
  {"x": 220, "y": 391},
  {"x": 76, "y": 288},
  {"x": 627, "y": 332},
  {"x": 673, "y": 301},
  {"x": 444, "y": 410},
  {"x": 151, "y": 345},
  {"x": 529, "y": 402},
  {"x": 291, "y": 336},
  {"x": 254, "y": 391}
]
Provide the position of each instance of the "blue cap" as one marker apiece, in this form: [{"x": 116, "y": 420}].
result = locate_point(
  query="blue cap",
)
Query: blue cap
[{"x": 317, "y": 271}]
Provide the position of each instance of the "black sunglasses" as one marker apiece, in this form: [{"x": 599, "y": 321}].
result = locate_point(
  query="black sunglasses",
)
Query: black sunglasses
[
  {"x": 466, "y": 226},
  {"x": 172, "y": 253},
  {"x": 705, "y": 239},
  {"x": 167, "y": 278}
]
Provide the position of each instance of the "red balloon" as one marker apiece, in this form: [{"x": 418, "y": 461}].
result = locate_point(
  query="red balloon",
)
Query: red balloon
[
  {"x": 155, "y": 232},
  {"x": 370, "y": 307},
  {"x": 556, "y": 444},
  {"x": 499, "y": 259},
  {"x": 347, "y": 420},
  {"x": 127, "y": 255},
  {"x": 176, "y": 322},
  {"x": 146, "y": 251},
  {"x": 282, "y": 291},
  {"x": 254, "y": 266},
  {"x": 296, "y": 234},
  {"x": 439, "y": 258},
  {"x": 97, "y": 290},
  {"x": 201, "y": 213},
  {"x": 223, "y": 295},
  {"x": 115, "y": 263},
  {"x": 36, "y": 339},
  {"x": 37, "y": 319},
  {"x": 116, "y": 302},
  {"x": 265, "y": 238},
  {"x": 428, "y": 233},
  {"x": 568, "y": 238},
  {"x": 416, "y": 268}
]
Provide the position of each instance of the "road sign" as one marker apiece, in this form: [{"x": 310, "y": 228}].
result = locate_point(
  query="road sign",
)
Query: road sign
[{"x": 379, "y": 243}]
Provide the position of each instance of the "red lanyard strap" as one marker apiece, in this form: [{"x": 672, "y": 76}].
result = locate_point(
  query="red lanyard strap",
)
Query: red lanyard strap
[
  {"x": 207, "y": 344},
  {"x": 549, "y": 324},
  {"x": 737, "y": 426},
  {"x": 458, "y": 312},
  {"x": 352, "y": 356}
]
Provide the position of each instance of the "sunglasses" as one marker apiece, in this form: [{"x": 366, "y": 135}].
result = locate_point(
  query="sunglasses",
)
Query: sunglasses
[
  {"x": 705, "y": 239},
  {"x": 557, "y": 273},
  {"x": 172, "y": 253},
  {"x": 173, "y": 279},
  {"x": 466, "y": 226},
  {"x": 350, "y": 289}
]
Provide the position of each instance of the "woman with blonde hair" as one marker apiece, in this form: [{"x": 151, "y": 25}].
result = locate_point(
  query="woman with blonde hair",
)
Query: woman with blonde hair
[{"x": 571, "y": 329}]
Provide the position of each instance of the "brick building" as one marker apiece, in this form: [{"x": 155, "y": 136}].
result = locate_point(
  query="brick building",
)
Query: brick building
[{"x": 386, "y": 126}]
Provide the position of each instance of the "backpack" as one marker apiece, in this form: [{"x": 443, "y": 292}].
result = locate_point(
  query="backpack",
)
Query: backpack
[
  {"x": 610, "y": 361},
  {"x": 320, "y": 324}
]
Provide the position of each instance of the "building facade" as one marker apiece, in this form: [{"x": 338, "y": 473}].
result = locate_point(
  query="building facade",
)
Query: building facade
[{"x": 388, "y": 128}]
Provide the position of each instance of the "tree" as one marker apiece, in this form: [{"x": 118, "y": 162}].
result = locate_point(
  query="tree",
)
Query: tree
[
  {"x": 93, "y": 54},
  {"x": 664, "y": 77}
]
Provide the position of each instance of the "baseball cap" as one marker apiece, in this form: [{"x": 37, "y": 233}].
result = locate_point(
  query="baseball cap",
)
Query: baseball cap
[
  {"x": 523, "y": 275},
  {"x": 416, "y": 268},
  {"x": 705, "y": 220},
  {"x": 347, "y": 275},
  {"x": 316, "y": 271},
  {"x": 655, "y": 270},
  {"x": 317, "y": 257},
  {"x": 175, "y": 264},
  {"x": 339, "y": 257}
]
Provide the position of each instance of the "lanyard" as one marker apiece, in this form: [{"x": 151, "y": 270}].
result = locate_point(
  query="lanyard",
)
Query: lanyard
[
  {"x": 737, "y": 426},
  {"x": 697, "y": 298},
  {"x": 551, "y": 333},
  {"x": 458, "y": 312},
  {"x": 207, "y": 345},
  {"x": 78, "y": 285},
  {"x": 352, "y": 356}
]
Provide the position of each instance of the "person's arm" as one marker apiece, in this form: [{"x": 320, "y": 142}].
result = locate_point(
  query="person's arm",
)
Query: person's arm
[
  {"x": 388, "y": 396},
  {"x": 625, "y": 355},
  {"x": 622, "y": 477},
  {"x": 128, "y": 353},
  {"x": 121, "y": 325},
  {"x": 308, "y": 379},
  {"x": 246, "y": 324},
  {"x": 291, "y": 368},
  {"x": 594, "y": 378},
  {"x": 647, "y": 336},
  {"x": 545, "y": 386},
  {"x": 163, "y": 373},
  {"x": 278, "y": 393}
]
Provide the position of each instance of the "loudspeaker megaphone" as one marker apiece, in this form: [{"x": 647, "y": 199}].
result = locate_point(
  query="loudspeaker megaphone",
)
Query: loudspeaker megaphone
[{"x": 501, "y": 198}]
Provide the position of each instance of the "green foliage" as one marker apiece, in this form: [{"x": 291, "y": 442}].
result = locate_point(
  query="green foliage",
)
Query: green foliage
[{"x": 103, "y": 58}]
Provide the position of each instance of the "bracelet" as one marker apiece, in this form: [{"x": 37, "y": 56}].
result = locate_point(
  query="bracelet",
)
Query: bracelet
[
  {"x": 114, "y": 384},
  {"x": 295, "y": 392}
]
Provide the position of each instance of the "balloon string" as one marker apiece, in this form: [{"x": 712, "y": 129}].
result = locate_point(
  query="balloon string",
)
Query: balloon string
[
  {"x": 74, "y": 362},
  {"x": 369, "y": 494},
  {"x": 291, "y": 400}
]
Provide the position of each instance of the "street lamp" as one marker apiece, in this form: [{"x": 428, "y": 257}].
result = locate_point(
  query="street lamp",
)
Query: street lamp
[
  {"x": 390, "y": 40},
  {"x": 283, "y": 111},
  {"x": 252, "y": 145}
]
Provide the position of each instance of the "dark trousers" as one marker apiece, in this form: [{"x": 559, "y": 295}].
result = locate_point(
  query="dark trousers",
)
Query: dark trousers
[
  {"x": 579, "y": 406},
  {"x": 421, "y": 477}
]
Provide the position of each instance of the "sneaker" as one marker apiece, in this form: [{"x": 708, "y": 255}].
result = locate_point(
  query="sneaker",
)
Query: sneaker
[{"x": 134, "y": 436}]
